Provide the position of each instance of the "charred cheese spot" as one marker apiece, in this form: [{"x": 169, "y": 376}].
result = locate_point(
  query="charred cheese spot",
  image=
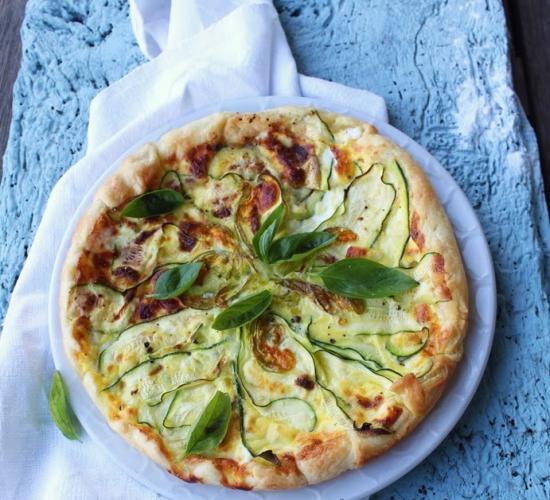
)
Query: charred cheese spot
[
  {"x": 343, "y": 235},
  {"x": 438, "y": 267},
  {"x": 305, "y": 381},
  {"x": 127, "y": 274},
  {"x": 356, "y": 252},
  {"x": 423, "y": 314},
  {"x": 87, "y": 301},
  {"x": 233, "y": 475},
  {"x": 344, "y": 166},
  {"x": 199, "y": 157},
  {"x": 222, "y": 212},
  {"x": 394, "y": 412},
  {"x": 187, "y": 241},
  {"x": 93, "y": 267},
  {"x": 82, "y": 328},
  {"x": 157, "y": 369},
  {"x": 261, "y": 199},
  {"x": 149, "y": 308},
  {"x": 416, "y": 234},
  {"x": 292, "y": 157},
  {"x": 367, "y": 402},
  {"x": 144, "y": 236}
]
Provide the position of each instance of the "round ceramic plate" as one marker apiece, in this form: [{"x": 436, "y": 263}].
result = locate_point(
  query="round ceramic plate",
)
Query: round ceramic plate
[{"x": 400, "y": 459}]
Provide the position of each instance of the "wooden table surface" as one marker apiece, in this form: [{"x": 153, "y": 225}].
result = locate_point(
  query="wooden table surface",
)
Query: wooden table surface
[{"x": 529, "y": 28}]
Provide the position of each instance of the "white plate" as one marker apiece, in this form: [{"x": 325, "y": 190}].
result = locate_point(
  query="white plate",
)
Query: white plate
[{"x": 381, "y": 471}]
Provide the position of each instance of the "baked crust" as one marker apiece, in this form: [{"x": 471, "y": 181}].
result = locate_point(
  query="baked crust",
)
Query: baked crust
[{"x": 319, "y": 455}]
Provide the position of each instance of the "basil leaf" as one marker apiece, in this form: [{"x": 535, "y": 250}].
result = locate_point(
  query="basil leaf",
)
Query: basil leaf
[
  {"x": 176, "y": 280},
  {"x": 299, "y": 246},
  {"x": 243, "y": 311},
  {"x": 365, "y": 279},
  {"x": 264, "y": 236},
  {"x": 59, "y": 408},
  {"x": 161, "y": 201},
  {"x": 212, "y": 425}
]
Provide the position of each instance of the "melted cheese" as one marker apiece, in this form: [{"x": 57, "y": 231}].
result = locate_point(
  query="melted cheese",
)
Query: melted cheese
[{"x": 329, "y": 367}]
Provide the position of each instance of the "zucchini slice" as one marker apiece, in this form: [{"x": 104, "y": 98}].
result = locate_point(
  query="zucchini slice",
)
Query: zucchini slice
[
  {"x": 429, "y": 272},
  {"x": 405, "y": 344},
  {"x": 247, "y": 162},
  {"x": 192, "y": 238},
  {"x": 291, "y": 412},
  {"x": 219, "y": 198},
  {"x": 327, "y": 163},
  {"x": 317, "y": 129},
  {"x": 106, "y": 307},
  {"x": 271, "y": 361},
  {"x": 225, "y": 275},
  {"x": 269, "y": 429},
  {"x": 390, "y": 243},
  {"x": 188, "y": 403},
  {"x": 171, "y": 180},
  {"x": 320, "y": 207},
  {"x": 368, "y": 201},
  {"x": 136, "y": 256},
  {"x": 281, "y": 149},
  {"x": 256, "y": 206},
  {"x": 390, "y": 374},
  {"x": 152, "y": 338},
  {"x": 150, "y": 380},
  {"x": 351, "y": 383},
  {"x": 349, "y": 353},
  {"x": 380, "y": 316},
  {"x": 421, "y": 367}
]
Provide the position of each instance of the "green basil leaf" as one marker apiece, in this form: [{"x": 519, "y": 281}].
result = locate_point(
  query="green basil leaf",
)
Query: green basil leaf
[
  {"x": 176, "y": 280},
  {"x": 59, "y": 408},
  {"x": 243, "y": 311},
  {"x": 161, "y": 201},
  {"x": 212, "y": 425},
  {"x": 264, "y": 236},
  {"x": 299, "y": 246},
  {"x": 365, "y": 279}
]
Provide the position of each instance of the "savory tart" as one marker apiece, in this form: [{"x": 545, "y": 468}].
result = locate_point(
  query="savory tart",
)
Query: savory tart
[{"x": 265, "y": 300}]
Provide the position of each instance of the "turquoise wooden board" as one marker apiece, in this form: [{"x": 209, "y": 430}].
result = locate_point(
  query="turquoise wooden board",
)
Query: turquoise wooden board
[{"x": 443, "y": 68}]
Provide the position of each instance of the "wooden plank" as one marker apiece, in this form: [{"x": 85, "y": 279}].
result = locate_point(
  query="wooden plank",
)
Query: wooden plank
[
  {"x": 11, "y": 16},
  {"x": 529, "y": 23}
]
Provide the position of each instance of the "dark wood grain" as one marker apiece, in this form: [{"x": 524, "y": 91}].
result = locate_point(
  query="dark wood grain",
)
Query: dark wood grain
[
  {"x": 11, "y": 15},
  {"x": 529, "y": 25}
]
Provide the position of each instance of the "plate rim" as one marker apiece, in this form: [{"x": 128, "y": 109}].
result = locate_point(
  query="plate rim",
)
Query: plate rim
[{"x": 81, "y": 402}]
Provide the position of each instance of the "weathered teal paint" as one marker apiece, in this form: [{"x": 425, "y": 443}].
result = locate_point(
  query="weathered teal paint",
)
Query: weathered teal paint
[{"x": 442, "y": 66}]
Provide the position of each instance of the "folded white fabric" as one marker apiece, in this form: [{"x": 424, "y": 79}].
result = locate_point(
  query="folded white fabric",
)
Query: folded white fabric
[{"x": 202, "y": 52}]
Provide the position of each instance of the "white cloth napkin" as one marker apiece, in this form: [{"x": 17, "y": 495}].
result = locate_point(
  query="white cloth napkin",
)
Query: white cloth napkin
[{"x": 202, "y": 52}]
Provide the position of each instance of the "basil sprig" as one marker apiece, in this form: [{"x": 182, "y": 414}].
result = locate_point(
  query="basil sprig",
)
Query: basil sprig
[
  {"x": 243, "y": 311},
  {"x": 161, "y": 201},
  {"x": 298, "y": 246},
  {"x": 264, "y": 236},
  {"x": 212, "y": 425},
  {"x": 176, "y": 280},
  {"x": 365, "y": 279},
  {"x": 59, "y": 408},
  {"x": 288, "y": 248}
]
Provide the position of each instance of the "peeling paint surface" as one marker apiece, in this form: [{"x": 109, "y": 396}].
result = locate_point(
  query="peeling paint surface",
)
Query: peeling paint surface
[{"x": 443, "y": 68}]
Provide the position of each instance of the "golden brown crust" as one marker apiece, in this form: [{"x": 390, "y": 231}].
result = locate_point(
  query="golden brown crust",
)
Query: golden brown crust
[{"x": 320, "y": 456}]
